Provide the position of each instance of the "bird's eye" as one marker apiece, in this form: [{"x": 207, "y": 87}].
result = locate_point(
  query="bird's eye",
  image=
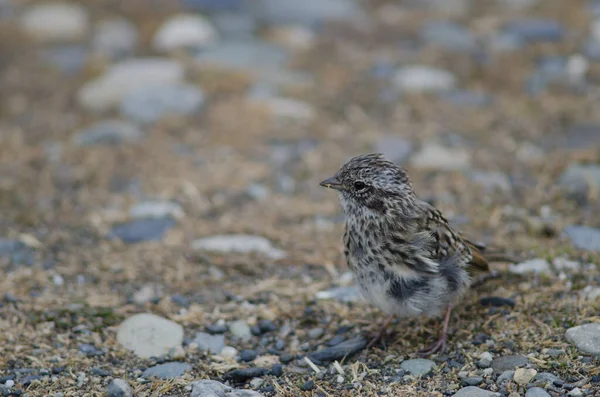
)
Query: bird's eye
[{"x": 359, "y": 185}]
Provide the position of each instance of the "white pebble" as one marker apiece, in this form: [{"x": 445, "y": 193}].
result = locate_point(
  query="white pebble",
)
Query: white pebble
[
  {"x": 184, "y": 31},
  {"x": 228, "y": 352}
]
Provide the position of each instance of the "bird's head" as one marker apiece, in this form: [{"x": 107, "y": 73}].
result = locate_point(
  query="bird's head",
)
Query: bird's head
[{"x": 372, "y": 182}]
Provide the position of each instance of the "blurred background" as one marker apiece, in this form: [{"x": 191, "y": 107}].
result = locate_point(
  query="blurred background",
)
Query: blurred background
[{"x": 164, "y": 156}]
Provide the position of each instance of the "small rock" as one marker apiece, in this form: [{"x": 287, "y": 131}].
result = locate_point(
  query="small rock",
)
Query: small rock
[
  {"x": 211, "y": 343},
  {"x": 89, "y": 350},
  {"x": 308, "y": 385},
  {"x": 343, "y": 294},
  {"x": 396, "y": 148},
  {"x": 148, "y": 335},
  {"x": 184, "y": 31},
  {"x": 524, "y": 375},
  {"x": 316, "y": 333},
  {"x": 156, "y": 209},
  {"x": 229, "y": 352},
  {"x": 212, "y": 388},
  {"x": 55, "y": 22},
  {"x": 152, "y": 103},
  {"x": 217, "y": 328},
  {"x": 108, "y": 132},
  {"x": 240, "y": 329},
  {"x": 287, "y": 358},
  {"x": 119, "y": 388},
  {"x": 240, "y": 243},
  {"x": 141, "y": 230},
  {"x": 448, "y": 35},
  {"x": 485, "y": 360},
  {"x": 546, "y": 377},
  {"x": 537, "y": 265},
  {"x": 586, "y": 338},
  {"x": 506, "y": 363},
  {"x": 289, "y": 110},
  {"x": 591, "y": 293},
  {"x": 423, "y": 79},
  {"x": 580, "y": 179},
  {"x": 584, "y": 237},
  {"x": 473, "y": 381},
  {"x": 497, "y": 301},
  {"x": 336, "y": 340},
  {"x": 125, "y": 77},
  {"x": 576, "y": 392},
  {"x": 115, "y": 38},
  {"x": 256, "y": 383},
  {"x": 433, "y": 156},
  {"x": 167, "y": 370},
  {"x": 277, "y": 370},
  {"x": 248, "y": 355},
  {"x": 242, "y": 375},
  {"x": 180, "y": 300},
  {"x": 417, "y": 366},
  {"x": 266, "y": 326},
  {"x": 148, "y": 293},
  {"x": 472, "y": 391},
  {"x": 505, "y": 376},
  {"x": 344, "y": 349},
  {"x": 536, "y": 30}
]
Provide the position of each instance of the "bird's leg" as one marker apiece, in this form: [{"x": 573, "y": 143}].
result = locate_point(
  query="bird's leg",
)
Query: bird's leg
[
  {"x": 440, "y": 344},
  {"x": 379, "y": 335}
]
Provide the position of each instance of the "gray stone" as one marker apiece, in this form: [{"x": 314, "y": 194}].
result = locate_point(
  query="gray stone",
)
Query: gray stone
[
  {"x": 316, "y": 333},
  {"x": 150, "y": 104},
  {"x": 156, "y": 209},
  {"x": 167, "y": 370},
  {"x": 417, "y": 366},
  {"x": 115, "y": 37},
  {"x": 586, "y": 338},
  {"x": 584, "y": 237},
  {"x": 579, "y": 179},
  {"x": 240, "y": 243},
  {"x": 108, "y": 132},
  {"x": 240, "y": 329},
  {"x": 448, "y": 35},
  {"x": 149, "y": 335},
  {"x": 306, "y": 12},
  {"x": 506, "y": 363},
  {"x": 536, "y": 30},
  {"x": 546, "y": 377},
  {"x": 396, "y": 148},
  {"x": 505, "y": 376},
  {"x": 472, "y": 391},
  {"x": 55, "y": 22},
  {"x": 343, "y": 294},
  {"x": 437, "y": 157},
  {"x": 524, "y": 375},
  {"x": 420, "y": 78},
  {"x": 485, "y": 360},
  {"x": 211, "y": 343},
  {"x": 141, "y": 230},
  {"x": 108, "y": 90},
  {"x": 119, "y": 388},
  {"x": 185, "y": 31},
  {"x": 212, "y": 388},
  {"x": 338, "y": 352},
  {"x": 537, "y": 392},
  {"x": 537, "y": 265},
  {"x": 473, "y": 381}
]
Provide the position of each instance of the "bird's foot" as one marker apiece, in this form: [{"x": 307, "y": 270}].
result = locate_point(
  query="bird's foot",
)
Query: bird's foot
[
  {"x": 381, "y": 334},
  {"x": 437, "y": 347}
]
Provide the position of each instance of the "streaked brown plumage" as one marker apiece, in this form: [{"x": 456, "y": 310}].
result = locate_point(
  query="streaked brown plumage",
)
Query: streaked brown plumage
[{"x": 406, "y": 258}]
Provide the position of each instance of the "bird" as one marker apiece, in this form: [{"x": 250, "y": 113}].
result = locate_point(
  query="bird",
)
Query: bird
[{"x": 406, "y": 258}]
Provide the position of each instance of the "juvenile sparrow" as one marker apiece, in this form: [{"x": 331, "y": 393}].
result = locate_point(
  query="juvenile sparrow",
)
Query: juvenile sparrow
[{"x": 405, "y": 257}]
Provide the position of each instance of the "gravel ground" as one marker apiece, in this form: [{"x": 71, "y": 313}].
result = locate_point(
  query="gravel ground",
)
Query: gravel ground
[{"x": 163, "y": 232}]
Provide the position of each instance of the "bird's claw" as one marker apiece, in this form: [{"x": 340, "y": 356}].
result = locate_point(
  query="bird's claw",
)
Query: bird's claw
[{"x": 437, "y": 347}]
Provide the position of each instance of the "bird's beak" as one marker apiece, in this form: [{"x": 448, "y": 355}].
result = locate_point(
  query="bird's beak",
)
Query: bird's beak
[{"x": 332, "y": 183}]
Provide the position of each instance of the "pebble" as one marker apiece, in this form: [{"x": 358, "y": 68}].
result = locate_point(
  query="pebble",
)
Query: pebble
[
  {"x": 316, "y": 333},
  {"x": 109, "y": 89},
  {"x": 156, "y": 209},
  {"x": 343, "y": 294},
  {"x": 148, "y": 293},
  {"x": 277, "y": 370},
  {"x": 115, "y": 38},
  {"x": 185, "y": 31},
  {"x": 417, "y": 366},
  {"x": 576, "y": 392},
  {"x": 472, "y": 391},
  {"x": 497, "y": 301},
  {"x": 240, "y": 329},
  {"x": 336, "y": 340},
  {"x": 586, "y": 338},
  {"x": 212, "y": 388},
  {"x": 119, "y": 388},
  {"x": 266, "y": 326},
  {"x": 239, "y": 243},
  {"x": 306, "y": 12},
  {"x": 590, "y": 293},
  {"x": 141, "y": 230},
  {"x": 505, "y": 376},
  {"x": 396, "y": 148},
  {"x": 256, "y": 383},
  {"x": 89, "y": 350},
  {"x": 344, "y": 349},
  {"x": 505, "y": 363},
  {"x": 437, "y": 157},
  {"x": 473, "y": 381},
  {"x": 448, "y": 35},
  {"x": 485, "y": 360},
  {"x": 167, "y": 370},
  {"x": 536, "y": 392},
  {"x": 420, "y": 78},
  {"x": 248, "y": 355},
  {"x": 524, "y": 375},
  {"x": 152, "y": 103},
  {"x": 536, "y": 30},
  {"x": 217, "y": 328},
  {"x": 584, "y": 237},
  {"x": 55, "y": 22},
  {"x": 108, "y": 132},
  {"x": 148, "y": 335},
  {"x": 537, "y": 265},
  {"x": 579, "y": 179},
  {"x": 211, "y": 343},
  {"x": 242, "y": 375},
  {"x": 286, "y": 358},
  {"x": 308, "y": 385}
]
